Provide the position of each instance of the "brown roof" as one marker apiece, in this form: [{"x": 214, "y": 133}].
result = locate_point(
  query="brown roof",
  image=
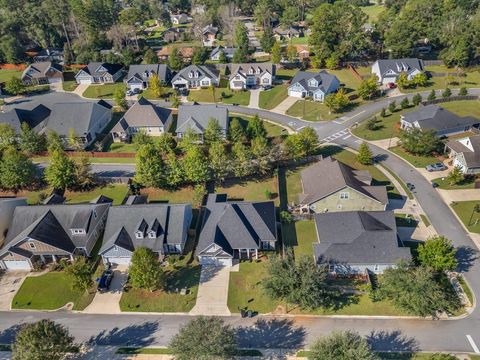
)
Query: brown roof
[
  {"x": 329, "y": 176},
  {"x": 472, "y": 158},
  {"x": 186, "y": 52}
]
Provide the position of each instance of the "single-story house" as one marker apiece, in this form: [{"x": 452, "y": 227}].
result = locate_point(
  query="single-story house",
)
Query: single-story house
[
  {"x": 139, "y": 75},
  {"x": 49, "y": 54},
  {"x": 291, "y": 32},
  {"x": 196, "y": 76},
  {"x": 245, "y": 76},
  {"x": 162, "y": 228},
  {"x": 195, "y": 118},
  {"x": 173, "y": 34},
  {"x": 331, "y": 186},
  {"x": 354, "y": 242},
  {"x": 434, "y": 117},
  {"x": 99, "y": 73},
  {"x": 466, "y": 153},
  {"x": 180, "y": 19},
  {"x": 209, "y": 35},
  {"x": 142, "y": 116},
  {"x": 388, "y": 70},
  {"x": 235, "y": 230},
  {"x": 7, "y": 208},
  {"x": 314, "y": 85},
  {"x": 227, "y": 51},
  {"x": 42, "y": 73},
  {"x": 185, "y": 52},
  {"x": 47, "y": 233}
]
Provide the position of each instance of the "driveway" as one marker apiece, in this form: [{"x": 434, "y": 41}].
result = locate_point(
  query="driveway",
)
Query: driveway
[
  {"x": 212, "y": 293},
  {"x": 108, "y": 302},
  {"x": 80, "y": 89},
  {"x": 285, "y": 105},
  {"x": 10, "y": 282},
  {"x": 254, "y": 98}
]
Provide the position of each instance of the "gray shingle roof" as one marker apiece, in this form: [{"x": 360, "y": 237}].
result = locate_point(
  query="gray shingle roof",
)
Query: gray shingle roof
[
  {"x": 472, "y": 158},
  {"x": 142, "y": 114},
  {"x": 196, "y": 117},
  {"x": 324, "y": 78},
  {"x": 244, "y": 69},
  {"x": 237, "y": 225},
  {"x": 33, "y": 117},
  {"x": 398, "y": 66},
  {"x": 204, "y": 71},
  {"x": 358, "y": 237},
  {"x": 228, "y": 51},
  {"x": 329, "y": 176},
  {"x": 143, "y": 72},
  {"x": 92, "y": 68},
  {"x": 434, "y": 117},
  {"x": 40, "y": 70}
]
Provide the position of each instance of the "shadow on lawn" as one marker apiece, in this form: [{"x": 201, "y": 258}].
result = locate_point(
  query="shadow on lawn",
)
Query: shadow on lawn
[
  {"x": 182, "y": 277},
  {"x": 133, "y": 335}
]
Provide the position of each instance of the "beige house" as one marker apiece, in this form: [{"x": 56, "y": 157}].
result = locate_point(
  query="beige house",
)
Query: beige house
[{"x": 331, "y": 186}]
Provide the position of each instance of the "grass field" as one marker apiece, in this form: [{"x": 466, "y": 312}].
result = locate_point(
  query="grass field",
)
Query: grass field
[
  {"x": 250, "y": 190},
  {"x": 6, "y": 75},
  {"x": 465, "y": 211},
  {"x": 104, "y": 91},
  {"x": 463, "y": 107},
  {"x": 300, "y": 235},
  {"x": 269, "y": 99},
  {"x": 311, "y": 111},
  {"x": 470, "y": 80},
  {"x": 116, "y": 192},
  {"x": 231, "y": 97},
  {"x": 147, "y": 94},
  {"x": 373, "y": 11},
  {"x": 417, "y": 161},
  {"x": 442, "y": 183}
]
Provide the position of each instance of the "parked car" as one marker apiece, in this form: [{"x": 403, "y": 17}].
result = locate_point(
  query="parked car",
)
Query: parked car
[
  {"x": 410, "y": 186},
  {"x": 436, "y": 167},
  {"x": 434, "y": 184},
  {"x": 391, "y": 85},
  {"x": 105, "y": 280},
  {"x": 183, "y": 92},
  {"x": 267, "y": 87}
]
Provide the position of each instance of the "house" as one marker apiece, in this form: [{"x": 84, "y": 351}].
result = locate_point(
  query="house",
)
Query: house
[
  {"x": 227, "y": 51},
  {"x": 99, "y": 73},
  {"x": 246, "y": 76},
  {"x": 86, "y": 119},
  {"x": 49, "y": 54},
  {"x": 438, "y": 119},
  {"x": 180, "y": 19},
  {"x": 209, "y": 35},
  {"x": 314, "y": 85},
  {"x": 388, "y": 70},
  {"x": 195, "y": 118},
  {"x": 54, "y": 199},
  {"x": 42, "y": 73},
  {"x": 185, "y": 52},
  {"x": 303, "y": 52},
  {"x": 173, "y": 34},
  {"x": 331, "y": 186},
  {"x": 354, "y": 242},
  {"x": 160, "y": 227},
  {"x": 139, "y": 75},
  {"x": 235, "y": 230},
  {"x": 291, "y": 32},
  {"x": 7, "y": 208},
  {"x": 47, "y": 233},
  {"x": 465, "y": 153},
  {"x": 196, "y": 76},
  {"x": 142, "y": 116},
  {"x": 136, "y": 200}
]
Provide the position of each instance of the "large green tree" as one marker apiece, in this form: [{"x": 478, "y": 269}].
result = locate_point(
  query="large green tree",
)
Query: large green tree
[
  {"x": 341, "y": 345},
  {"x": 16, "y": 170},
  {"x": 31, "y": 142},
  {"x": 61, "y": 173},
  {"x": 438, "y": 253},
  {"x": 150, "y": 167},
  {"x": 80, "y": 272},
  {"x": 8, "y": 136},
  {"x": 420, "y": 142},
  {"x": 195, "y": 165},
  {"x": 213, "y": 132},
  {"x": 219, "y": 161},
  {"x": 145, "y": 271},
  {"x": 256, "y": 128}
]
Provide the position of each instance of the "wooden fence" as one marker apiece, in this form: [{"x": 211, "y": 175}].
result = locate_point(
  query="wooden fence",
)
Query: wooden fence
[{"x": 451, "y": 98}]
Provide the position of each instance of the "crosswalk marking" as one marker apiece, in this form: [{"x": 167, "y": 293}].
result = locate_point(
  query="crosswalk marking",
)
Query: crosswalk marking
[
  {"x": 472, "y": 343},
  {"x": 335, "y": 136},
  {"x": 346, "y": 137}
]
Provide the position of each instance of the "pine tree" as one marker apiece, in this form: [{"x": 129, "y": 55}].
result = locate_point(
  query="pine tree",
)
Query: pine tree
[
  {"x": 365, "y": 155},
  {"x": 432, "y": 96},
  {"x": 417, "y": 99},
  {"x": 276, "y": 53}
]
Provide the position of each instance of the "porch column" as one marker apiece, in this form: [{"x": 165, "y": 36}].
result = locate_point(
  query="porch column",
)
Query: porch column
[
  {"x": 256, "y": 254},
  {"x": 248, "y": 253},
  {"x": 54, "y": 258},
  {"x": 71, "y": 258},
  {"x": 42, "y": 258}
]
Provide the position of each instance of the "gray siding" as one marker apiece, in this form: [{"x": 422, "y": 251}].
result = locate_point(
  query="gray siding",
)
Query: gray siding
[{"x": 121, "y": 252}]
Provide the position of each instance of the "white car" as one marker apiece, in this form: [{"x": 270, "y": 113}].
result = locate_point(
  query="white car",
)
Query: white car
[{"x": 435, "y": 167}]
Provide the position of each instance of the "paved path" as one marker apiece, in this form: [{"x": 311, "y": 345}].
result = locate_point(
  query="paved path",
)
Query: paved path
[
  {"x": 285, "y": 105},
  {"x": 212, "y": 292},
  {"x": 254, "y": 98}
]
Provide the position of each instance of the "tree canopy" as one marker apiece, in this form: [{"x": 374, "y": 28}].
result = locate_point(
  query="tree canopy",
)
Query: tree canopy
[{"x": 341, "y": 345}]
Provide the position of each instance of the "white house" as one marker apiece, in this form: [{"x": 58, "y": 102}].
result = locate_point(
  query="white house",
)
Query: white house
[
  {"x": 99, "y": 73},
  {"x": 314, "y": 85},
  {"x": 388, "y": 70},
  {"x": 465, "y": 153},
  {"x": 196, "y": 76},
  {"x": 245, "y": 76}
]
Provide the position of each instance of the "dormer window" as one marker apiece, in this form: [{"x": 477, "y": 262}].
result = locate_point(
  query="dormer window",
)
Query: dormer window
[
  {"x": 190, "y": 75},
  {"x": 152, "y": 235},
  {"x": 258, "y": 70},
  {"x": 115, "y": 248},
  {"x": 95, "y": 214},
  {"x": 32, "y": 245},
  {"x": 139, "y": 234},
  {"x": 196, "y": 74},
  {"x": 250, "y": 71},
  {"x": 78, "y": 231}
]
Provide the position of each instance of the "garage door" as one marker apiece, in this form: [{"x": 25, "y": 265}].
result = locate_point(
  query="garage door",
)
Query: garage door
[
  {"x": 388, "y": 80},
  {"x": 208, "y": 260},
  {"x": 16, "y": 265},
  {"x": 85, "y": 81},
  {"x": 295, "y": 93},
  {"x": 54, "y": 80},
  {"x": 119, "y": 260},
  {"x": 224, "y": 262}
]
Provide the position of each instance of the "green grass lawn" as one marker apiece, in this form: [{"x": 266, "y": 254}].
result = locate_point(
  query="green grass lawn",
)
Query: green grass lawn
[
  {"x": 167, "y": 300},
  {"x": 231, "y": 97},
  {"x": 182, "y": 195},
  {"x": 49, "y": 292},
  {"x": 299, "y": 40},
  {"x": 388, "y": 127},
  {"x": 271, "y": 98},
  {"x": 104, "y": 91},
  {"x": 148, "y": 94},
  {"x": 468, "y": 183},
  {"x": 417, "y": 161},
  {"x": 116, "y": 192},
  {"x": 373, "y": 11},
  {"x": 285, "y": 74},
  {"x": 465, "y": 211},
  {"x": 300, "y": 235},
  {"x": 69, "y": 85},
  {"x": 404, "y": 220},
  {"x": 471, "y": 80},
  {"x": 250, "y": 190},
  {"x": 311, "y": 111},
  {"x": 463, "y": 107},
  {"x": 6, "y": 75},
  {"x": 272, "y": 129},
  {"x": 121, "y": 147}
]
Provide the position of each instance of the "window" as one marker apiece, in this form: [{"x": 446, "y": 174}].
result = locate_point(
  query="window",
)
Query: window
[
  {"x": 152, "y": 235},
  {"x": 266, "y": 80},
  {"x": 139, "y": 235},
  {"x": 95, "y": 214},
  {"x": 376, "y": 268},
  {"x": 115, "y": 248},
  {"x": 205, "y": 82},
  {"x": 237, "y": 77},
  {"x": 331, "y": 268},
  {"x": 344, "y": 195},
  {"x": 78, "y": 231},
  {"x": 190, "y": 75},
  {"x": 32, "y": 245},
  {"x": 250, "y": 71},
  {"x": 258, "y": 70}
]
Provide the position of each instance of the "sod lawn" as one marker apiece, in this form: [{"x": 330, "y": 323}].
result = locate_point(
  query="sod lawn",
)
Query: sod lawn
[
  {"x": 231, "y": 97},
  {"x": 417, "y": 161},
  {"x": 311, "y": 111},
  {"x": 105, "y": 91},
  {"x": 250, "y": 190},
  {"x": 116, "y": 192},
  {"x": 269, "y": 99},
  {"x": 465, "y": 211},
  {"x": 373, "y": 11},
  {"x": 49, "y": 292},
  {"x": 467, "y": 183},
  {"x": 272, "y": 129},
  {"x": 6, "y": 75},
  {"x": 470, "y": 80},
  {"x": 300, "y": 235}
]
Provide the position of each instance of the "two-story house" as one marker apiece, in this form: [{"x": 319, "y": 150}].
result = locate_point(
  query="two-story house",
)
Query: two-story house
[
  {"x": 139, "y": 75},
  {"x": 314, "y": 85},
  {"x": 196, "y": 76},
  {"x": 465, "y": 153},
  {"x": 246, "y": 76},
  {"x": 99, "y": 73}
]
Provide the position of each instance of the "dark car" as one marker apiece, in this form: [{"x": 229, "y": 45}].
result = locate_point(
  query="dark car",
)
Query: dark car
[
  {"x": 410, "y": 186},
  {"x": 105, "y": 280},
  {"x": 183, "y": 91}
]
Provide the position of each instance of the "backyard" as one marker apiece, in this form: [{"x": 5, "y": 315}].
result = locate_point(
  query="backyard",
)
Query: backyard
[
  {"x": 105, "y": 91},
  {"x": 6, "y": 75},
  {"x": 373, "y": 11},
  {"x": 300, "y": 235},
  {"x": 116, "y": 192},
  {"x": 465, "y": 210}
]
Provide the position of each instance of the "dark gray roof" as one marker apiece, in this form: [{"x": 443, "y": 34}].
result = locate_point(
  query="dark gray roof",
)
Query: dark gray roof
[
  {"x": 41, "y": 70},
  {"x": 329, "y": 176},
  {"x": 228, "y": 51},
  {"x": 54, "y": 199},
  {"x": 210, "y": 29},
  {"x": 358, "y": 237},
  {"x": 51, "y": 224},
  {"x": 136, "y": 200},
  {"x": 94, "y": 69},
  {"x": 244, "y": 69},
  {"x": 168, "y": 223},
  {"x": 142, "y": 114},
  {"x": 434, "y": 117},
  {"x": 472, "y": 158},
  {"x": 237, "y": 225},
  {"x": 203, "y": 70},
  {"x": 143, "y": 72},
  {"x": 398, "y": 66},
  {"x": 196, "y": 117},
  {"x": 17, "y": 116},
  {"x": 102, "y": 199},
  {"x": 324, "y": 79}
]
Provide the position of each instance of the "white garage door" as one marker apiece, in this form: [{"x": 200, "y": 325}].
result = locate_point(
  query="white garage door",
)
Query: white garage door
[
  {"x": 119, "y": 260},
  {"x": 135, "y": 86},
  {"x": 295, "y": 93},
  {"x": 224, "y": 262},
  {"x": 16, "y": 265},
  {"x": 54, "y": 80},
  {"x": 85, "y": 81},
  {"x": 208, "y": 260},
  {"x": 388, "y": 80}
]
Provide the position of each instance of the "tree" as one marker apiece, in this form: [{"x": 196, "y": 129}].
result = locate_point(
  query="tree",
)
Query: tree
[
  {"x": 31, "y": 142},
  {"x": 276, "y": 53},
  {"x": 204, "y": 338},
  {"x": 441, "y": 356},
  {"x": 16, "y": 170},
  {"x": 236, "y": 132},
  {"x": 174, "y": 170},
  {"x": 54, "y": 142},
  {"x": 86, "y": 179},
  {"x": 155, "y": 86},
  {"x": 213, "y": 131},
  {"x": 383, "y": 113},
  {"x": 417, "y": 99},
  {"x": 256, "y": 128},
  {"x": 80, "y": 272},
  {"x": 455, "y": 176},
  {"x": 447, "y": 93},
  {"x": 175, "y": 60},
  {"x": 302, "y": 144},
  {"x": 119, "y": 98},
  {"x": 419, "y": 142},
  {"x": 199, "y": 193},
  {"x": 267, "y": 40},
  {"x": 149, "y": 168},
  {"x": 403, "y": 81},
  {"x": 420, "y": 79},
  {"x": 219, "y": 161},
  {"x": 338, "y": 101},
  {"x": 141, "y": 138},
  {"x": 291, "y": 53},
  {"x": 261, "y": 155},
  {"x": 61, "y": 173},
  {"x": 195, "y": 165},
  {"x": 242, "y": 160},
  {"x": 404, "y": 103},
  {"x": 14, "y": 86},
  {"x": 8, "y": 136},
  {"x": 145, "y": 271},
  {"x": 365, "y": 155},
  {"x": 392, "y": 106},
  {"x": 239, "y": 56},
  {"x": 438, "y": 253},
  {"x": 166, "y": 143},
  {"x": 200, "y": 55},
  {"x": 73, "y": 140},
  {"x": 150, "y": 57},
  {"x": 240, "y": 36},
  {"x": 463, "y": 91},
  {"x": 432, "y": 96},
  {"x": 332, "y": 62},
  {"x": 368, "y": 88},
  {"x": 43, "y": 339},
  {"x": 222, "y": 58},
  {"x": 420, "y": 290},
  {"x": 341, "y": 345}
]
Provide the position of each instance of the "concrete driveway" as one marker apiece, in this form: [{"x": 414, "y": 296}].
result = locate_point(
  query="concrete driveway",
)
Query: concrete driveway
[
  {"x": 10, "y": 282},
  {"x": 254, "y": 98},
  {"x": 285, "y": 105},
  {"x": 108, "y": 302},
  {"x": 80, "y": 89}
]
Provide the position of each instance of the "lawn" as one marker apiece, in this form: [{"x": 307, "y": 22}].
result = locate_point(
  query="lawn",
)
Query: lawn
[
  {"x": 404, "y": 220},
  {"x": 168, "y": 299},
  {"x": 246, "y": 292},
  {"x": 269, "y": 99},
  {"x": 182, "y": 195},
  {"x": 467, "y": 183},
  {"x": 231, "y": 97},
  {"x": 49, "y": 292},
  {"x": 148, "y": 94},
  {"x": 104, "y": 91},
  {"x": 417, "y": 161},
  {"x": 117, "y": 192},
  {"x": 300, "y": 235},
  {"x": 465, "y": 211},
  {"x": 387, "y": 127},
  {"x": 285, "y": 74},
  {"x": 69, "y": 85},
  {"x": 463, "y": 107},
  {"x": 250, "y": 190},
  {"x": 121, "y": 147},
  {"x": 311, "y": 111},
  {"x": 272, "y": 129},
  {"x": 6, "y": 75},
  {"x": 299, "y": 40},
  {"x": 373, "y": 11},
  {"x": 471, "y": 80}
]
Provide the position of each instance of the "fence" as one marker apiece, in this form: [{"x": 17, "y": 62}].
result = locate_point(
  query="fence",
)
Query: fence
[
  {"x": 451, "y": 98},
  {"x": 94, "y": 154},
  {"x": 355, "y": 72}
]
